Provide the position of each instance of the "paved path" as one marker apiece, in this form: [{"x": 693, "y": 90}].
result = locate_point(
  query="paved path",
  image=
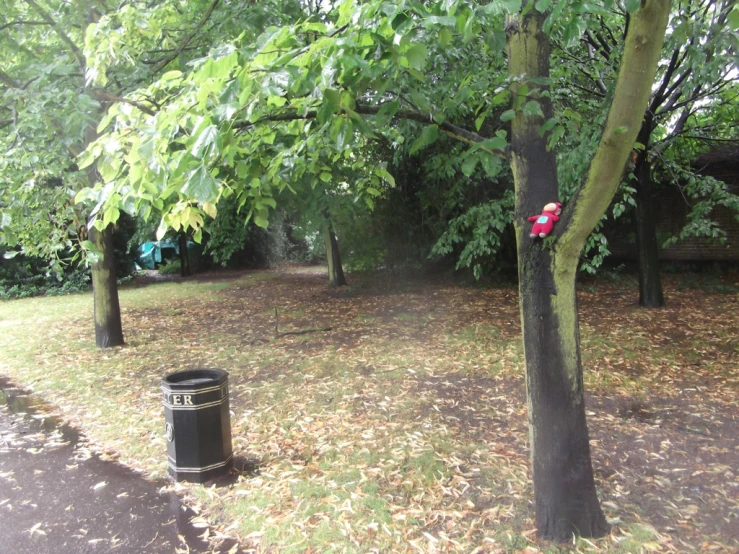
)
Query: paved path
[{"x": 58, "y": 498}]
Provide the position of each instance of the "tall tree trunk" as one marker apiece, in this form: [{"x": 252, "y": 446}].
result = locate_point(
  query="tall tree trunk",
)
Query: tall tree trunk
[
  {"x": 108, "y": 328},
  {"x": 184, "y": 255},
  {"x": 335, "y": 271},
  {"x": 107, "y": 311},
  {"x": 564, "y": 487},
  {"x": 650, "y": 283}
]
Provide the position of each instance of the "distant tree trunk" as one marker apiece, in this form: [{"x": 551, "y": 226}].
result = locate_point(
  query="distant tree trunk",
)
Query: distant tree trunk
[
  {"x": 108, "y": 328},
  {"x": 184, "y": 256},
  {"x": 335, "y": 271},
  {"x": 650, "y": 283},
  {"x": 564, "y": 486},
  {"x": 107, "y": 310}
]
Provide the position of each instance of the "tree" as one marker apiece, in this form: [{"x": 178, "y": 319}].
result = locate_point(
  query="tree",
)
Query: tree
[
  {"x": 695, "y": 76},
  {"x": 45, "y": 93},
  {"x": 333, "y": 258},
  {"x": 566, "y": 500},
  {"x": 270, "y": 111},
  {"x": 692, "y": 78},
  {"x": 53, "y": 100}
]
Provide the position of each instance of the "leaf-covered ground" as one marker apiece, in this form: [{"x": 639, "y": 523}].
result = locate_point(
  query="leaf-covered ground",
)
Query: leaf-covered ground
[{"x": 403, "y": 427}]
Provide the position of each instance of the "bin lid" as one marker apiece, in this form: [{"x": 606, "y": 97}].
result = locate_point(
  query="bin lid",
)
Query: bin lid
[
  {"x": 194, "y": 378},
  {"x": 195, "y": 381}
]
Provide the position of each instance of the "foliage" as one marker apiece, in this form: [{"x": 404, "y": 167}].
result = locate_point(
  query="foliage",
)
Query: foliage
[
  {"x": 49, "y": 105},
  {"x": 225, "y": 113},
  {"x": 233, "y": 241},
  {"x": 22, "y": 277},
  {"x": 482, "y": 231},
  {"x": 45, "y": 112},
  {"x": 170, "y": 267}
]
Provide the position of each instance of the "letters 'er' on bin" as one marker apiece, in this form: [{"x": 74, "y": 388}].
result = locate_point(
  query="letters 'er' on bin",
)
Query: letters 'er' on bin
[{"x": 197, "y": 424}]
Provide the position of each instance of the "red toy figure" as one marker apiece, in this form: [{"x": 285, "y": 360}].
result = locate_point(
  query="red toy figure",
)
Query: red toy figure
[{"x": 545, "y": 222}]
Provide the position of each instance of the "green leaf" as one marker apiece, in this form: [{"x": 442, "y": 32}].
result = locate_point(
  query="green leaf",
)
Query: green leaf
[
  {"x": 277, "y": 101},
  {"x": 262, "y": 218},
  {"x": 543, "y": 5},
  {"x": 85, "y": 159},
  {"x": 325, "y": 177},
  {"x": 495, "y": 143},
  {"x": 81, "y": 196},
  {"x": 398, "y": 20},
  {"x": 480, "y": 120},
  {"x": 620, "y": 130},
  {"x": 632, "y": 5},
  {"x": 385, "y": 174},
  {"x": 331, "y": 101},
  {"x": 387, "y": 111},
  {"x": 416, "y": 56},
  {"x": 548, "y": 125},
  {"x": 162, "y": 229},
  {"x": 510, "y": 6},
  {"x": 206, "y": 139},
  {"x": 201, "y": 186},
  {"x": 341, "y": 131},
  {"x": 105, "y": 121},
  {"x": 373, "y": 191},
  {"x": 532, "y": 107},
  {"x": 734, "y": 18},
  {"x": 469, "y": 164},
  {"x": 445, "y": 36},
  {"x": 429, "y": 134},
  {"x": 490, "y": 163},
  {"x": 507, "y": 115},
  {"x": 170, "y": 75}
]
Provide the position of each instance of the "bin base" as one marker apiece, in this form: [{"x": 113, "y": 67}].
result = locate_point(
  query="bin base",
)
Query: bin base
[{"x": 200, "y": 475}]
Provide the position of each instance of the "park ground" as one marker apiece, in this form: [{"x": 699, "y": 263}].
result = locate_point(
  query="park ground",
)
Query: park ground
[{"x": 396, "y": 420}]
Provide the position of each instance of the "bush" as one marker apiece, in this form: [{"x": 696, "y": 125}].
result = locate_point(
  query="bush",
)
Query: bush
[
  {"x": 21, "y": 285},
  {"x": 170, "y": 267}
]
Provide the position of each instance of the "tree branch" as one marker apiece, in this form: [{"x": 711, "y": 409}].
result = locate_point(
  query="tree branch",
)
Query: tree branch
[
  {"x": 711, "y": 139},
  {"x": 697, "y": 94},
  {"x": 166, "y": 60},
  {"x": 598, "y": 44},
  {"x": 76, "y": 52},
  {"x": 459, "y": 133},
  {"x": 101, "y": 94},
  {"x": 14, "y": 23},
  {"x": 9, "y": 81},
  {"x": 658, "y": 97}
]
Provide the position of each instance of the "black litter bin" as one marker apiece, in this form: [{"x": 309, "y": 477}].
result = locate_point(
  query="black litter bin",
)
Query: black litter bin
[{"x": 197, "y": 424}]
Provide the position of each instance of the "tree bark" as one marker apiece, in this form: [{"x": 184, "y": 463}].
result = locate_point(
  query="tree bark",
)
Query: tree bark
[
  {"x": 335, "y": 271},
  {"x": 564, "y": 487},
  {"x": 108, "y": 328},
  {"x": 184, "y": 255},
  {"x": 107, "y": 311},
  {"x": 650, "y": 283}
]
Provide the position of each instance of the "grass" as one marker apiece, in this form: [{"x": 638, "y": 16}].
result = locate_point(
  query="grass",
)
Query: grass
[{"x": 381, "y": 435}]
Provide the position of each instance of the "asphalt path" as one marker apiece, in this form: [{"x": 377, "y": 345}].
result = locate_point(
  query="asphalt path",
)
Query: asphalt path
[{"x": 57, "y": 497}]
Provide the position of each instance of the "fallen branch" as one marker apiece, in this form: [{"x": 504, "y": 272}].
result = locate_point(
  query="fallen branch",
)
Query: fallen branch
[{"x": 285, "y": 334}]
